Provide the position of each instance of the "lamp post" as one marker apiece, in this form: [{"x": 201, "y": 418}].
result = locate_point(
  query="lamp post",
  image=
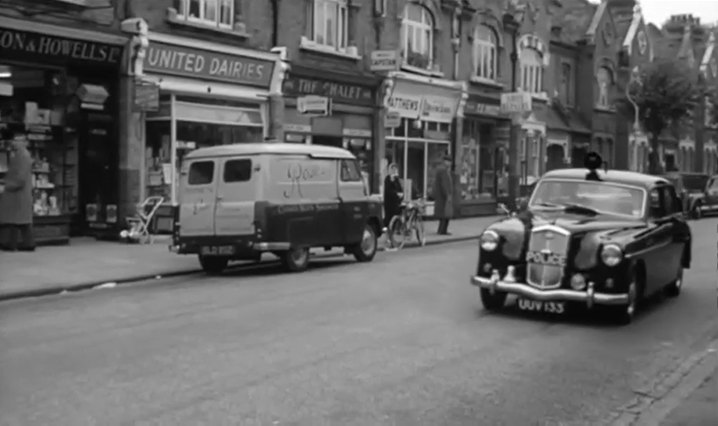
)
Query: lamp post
[
  {"x": 512, "y": 23},
  {"x": 634, "y": 80}
]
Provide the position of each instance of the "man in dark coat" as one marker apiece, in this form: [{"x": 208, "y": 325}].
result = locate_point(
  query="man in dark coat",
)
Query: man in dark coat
[
  {"x": 393, "y": 193},
  {"x": 443, "y": 195},
  {"x": 16, "y": 201}
]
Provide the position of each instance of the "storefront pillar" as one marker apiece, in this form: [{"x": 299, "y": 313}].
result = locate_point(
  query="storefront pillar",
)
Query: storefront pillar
[
  {"x": 131, "y": 135},
  {"x": 275, "y": 126}
]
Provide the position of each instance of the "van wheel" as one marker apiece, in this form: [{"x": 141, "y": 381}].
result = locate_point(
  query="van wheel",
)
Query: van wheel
[
  {"x": 696, "y": 212},
  {"x": 365, "y": 250},
  {"x": 296, "y": 259},
  {"x": 213, "y": 265}
]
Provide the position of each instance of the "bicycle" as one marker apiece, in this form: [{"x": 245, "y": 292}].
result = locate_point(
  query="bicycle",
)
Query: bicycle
[{"x": 401, "y": 226}]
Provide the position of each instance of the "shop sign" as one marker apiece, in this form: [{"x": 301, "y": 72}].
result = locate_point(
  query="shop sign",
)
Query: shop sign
[
  {"x": 406, "y": 105},
  {"x": 384, "y": 60},
  {"x": 209, "y": 65},
  {"x": 34, "y": 46},
  {"x": 482, "y": 109},
  {"x": 357, "y": 133},
  {"x": 314, "y": 105},
  {"x": 299, "y": 128},
  {"x": 339, "y": 92},
  {"x": 147, "y": 97},
  {"x": 392, "y": 120},
  {"x": 440, "y": 109},
  {"x": 516, "y": 102}
]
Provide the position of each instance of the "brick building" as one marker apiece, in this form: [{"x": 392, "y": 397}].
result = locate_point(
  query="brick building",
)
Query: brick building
[{"x": 709, "y": 68}]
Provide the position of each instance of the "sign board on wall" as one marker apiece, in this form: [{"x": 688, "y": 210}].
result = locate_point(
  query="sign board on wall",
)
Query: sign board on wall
[
  {"x": 516, "y": 102},
  {"x": 147, "y": 97},
  {"x": 319, "y": 105},
  {"x": 189, "y": 62},
  {"x": 480, "y": 108},
  {"x": 339, "y": 92},
  {"x": 392, "y": 120},
  {"x": 384, "y": 60},
  {"x": 420, "y": 101},
  {"x": 24, "y": 45}
]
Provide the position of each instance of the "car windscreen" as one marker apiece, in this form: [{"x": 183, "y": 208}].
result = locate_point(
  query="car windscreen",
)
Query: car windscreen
[{"x": 602, "y": 197}]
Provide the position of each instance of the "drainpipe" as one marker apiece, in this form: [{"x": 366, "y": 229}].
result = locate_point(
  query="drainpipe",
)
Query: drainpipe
[{"x": 275, "y": 22}]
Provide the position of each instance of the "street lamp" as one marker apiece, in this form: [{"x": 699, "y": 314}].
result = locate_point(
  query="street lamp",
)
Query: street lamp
[
  {"x": 512, "y": 22},
  {"x": 634, "y": 80}
]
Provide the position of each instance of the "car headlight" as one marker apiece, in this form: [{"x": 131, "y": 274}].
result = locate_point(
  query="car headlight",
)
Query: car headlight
[
  {"x": 611, "y": 254},
  {"x": 489, "y": 240}
]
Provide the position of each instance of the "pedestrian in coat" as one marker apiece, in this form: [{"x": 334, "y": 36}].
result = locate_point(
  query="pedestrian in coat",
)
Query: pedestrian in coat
[
  {"x": 16, "y": 201},
  {"x": 393, "y": 194},
  {"x": 443, "y": 195}
]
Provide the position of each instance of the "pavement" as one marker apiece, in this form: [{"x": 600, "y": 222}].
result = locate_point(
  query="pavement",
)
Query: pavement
[
  {"x": 400, "y": 341},
  {"x": 700, "y": 408},
  {"x": 87, "y": 263}
]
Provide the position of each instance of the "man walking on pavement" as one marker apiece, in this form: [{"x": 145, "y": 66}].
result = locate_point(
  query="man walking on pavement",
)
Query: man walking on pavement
[
  {"x": 443, "y": 195},
  {"x": 16, "y": 200}
]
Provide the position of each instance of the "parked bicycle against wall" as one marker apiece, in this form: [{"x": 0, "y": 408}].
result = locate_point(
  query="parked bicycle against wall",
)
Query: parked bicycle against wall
[{"x": 406, "y": 224}]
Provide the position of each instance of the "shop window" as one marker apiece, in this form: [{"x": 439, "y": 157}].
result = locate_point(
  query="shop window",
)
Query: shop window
[
  {"x": 485, "y": 53},
  {"x": 213, "y": 13},
  {"x": 531, "y": 70},
  {"x": 350, "y": 171},
  {"x": 201, "y": 173},
  {"x": 238, "y": 170},
  {"x": 604, "y": 78},
  {"x": 433, "y": 159},
  {"x": 330, "y": 20},
  {"x": 417, "y": 36}
]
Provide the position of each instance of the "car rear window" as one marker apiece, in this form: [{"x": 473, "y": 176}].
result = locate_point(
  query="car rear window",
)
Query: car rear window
[
  {"x": 239, "y": 170},
  {"x": 201, "y": 173}
]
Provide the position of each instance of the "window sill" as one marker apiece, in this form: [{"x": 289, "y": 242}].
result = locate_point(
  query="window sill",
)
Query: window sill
[
  {"x": 306, "y": 44},
  {"x": 417, "y": 70},
  {"x": 486, "y": 82},
  {"x": 238, "y": 30}
]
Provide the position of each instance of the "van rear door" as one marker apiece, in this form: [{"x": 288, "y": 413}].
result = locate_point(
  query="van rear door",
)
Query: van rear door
[
  {"x": 238, "y": 187},
  {"x": 197, "y": 198},
  {"x": 353, "y": 196}
]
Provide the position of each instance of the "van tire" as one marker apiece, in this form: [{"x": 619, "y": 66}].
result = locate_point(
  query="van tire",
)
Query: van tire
[
  {"x": 213, "y": 265},
  {"x": 296, "y": 259},
  {"x": 365, "y": 250}
]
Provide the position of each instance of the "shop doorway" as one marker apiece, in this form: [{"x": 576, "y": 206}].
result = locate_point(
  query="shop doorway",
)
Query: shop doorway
[
  {"x": 335, "y": 141},
  {"x": 98, "y": 183},
  {"x": 578, "y": 153},
  {"x": 554, "y": 157}
]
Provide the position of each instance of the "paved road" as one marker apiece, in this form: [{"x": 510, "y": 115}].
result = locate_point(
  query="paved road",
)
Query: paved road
[{"x": 402, "y": 341}]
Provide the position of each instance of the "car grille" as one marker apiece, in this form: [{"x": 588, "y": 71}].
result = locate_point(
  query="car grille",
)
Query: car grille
[{"x": 547, "y": 256}]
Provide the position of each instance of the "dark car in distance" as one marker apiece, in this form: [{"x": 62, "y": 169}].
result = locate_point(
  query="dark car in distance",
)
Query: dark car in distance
[
  {"x": 691, "y": 189},
  {"x": 587, "y": 238}
]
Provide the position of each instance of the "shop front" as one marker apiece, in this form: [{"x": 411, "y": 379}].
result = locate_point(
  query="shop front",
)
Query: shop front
[
  {"x": 197, "y": 94},
  {"x": 419, "y": 133},
  {"x": 710, "y": 161},
  {"x": 638, "y": 149},
  {"x": 59, "y": 92},
  {"x": 333, "y": 109},
  {"x": 686, "y": 155},
  {"x": 482, "y": 156}
]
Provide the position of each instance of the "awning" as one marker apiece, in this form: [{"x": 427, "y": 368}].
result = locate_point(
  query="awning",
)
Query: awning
[{"x": 567, "y": 120}]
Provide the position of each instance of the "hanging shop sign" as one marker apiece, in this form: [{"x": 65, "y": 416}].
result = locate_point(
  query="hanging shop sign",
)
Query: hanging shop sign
[
  {"x": 189, "y": 62},
  {"x": 25, "y": 45},
  {"x": 147, "y": 97},
  {"x": 339, "y": 92},
  {"x": 318, "y": 105},
  {"x": 384, "y": 60},
  {"x": 516, "y": 102},
  {"x": 392, "y": 120}
]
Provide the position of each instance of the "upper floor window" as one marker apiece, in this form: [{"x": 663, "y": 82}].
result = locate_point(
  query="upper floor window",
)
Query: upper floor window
[
  {"x": 566, "y": 81},
  {"x": 214, "y": 13},
  {"x": 531, "y": 70},
  {"x": 330, "y": 23},
  {"x": 417, "y": 36},
  {"x": 604, "y": 77},
  {"x": 485, "y": 53}
]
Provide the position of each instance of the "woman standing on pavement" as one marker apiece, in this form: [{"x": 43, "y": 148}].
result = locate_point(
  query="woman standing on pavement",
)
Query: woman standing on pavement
[{"x": 393, "y": 194}]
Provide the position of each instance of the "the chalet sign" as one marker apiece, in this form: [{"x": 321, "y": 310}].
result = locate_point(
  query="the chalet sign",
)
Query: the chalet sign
[
  {"x": 24, "y": 45},
  {"x": 339, "y": 92}
]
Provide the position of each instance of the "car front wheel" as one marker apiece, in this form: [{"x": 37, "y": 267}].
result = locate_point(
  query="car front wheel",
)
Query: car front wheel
[
  {"x": 493, "y": 302},
  {"x": 296, "y": 259}
]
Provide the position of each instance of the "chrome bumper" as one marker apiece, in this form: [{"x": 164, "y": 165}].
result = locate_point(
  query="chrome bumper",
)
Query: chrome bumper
[{"x": 588, "y": 296}]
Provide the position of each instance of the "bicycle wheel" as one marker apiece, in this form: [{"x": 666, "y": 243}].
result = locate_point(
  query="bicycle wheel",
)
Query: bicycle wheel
[
  {"x": 419, "y": 229},
  {"x": 396, "y": 232}
]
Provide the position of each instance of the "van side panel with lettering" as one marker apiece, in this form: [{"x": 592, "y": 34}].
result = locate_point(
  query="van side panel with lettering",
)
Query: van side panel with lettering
[{"x": 240, "y": 201}]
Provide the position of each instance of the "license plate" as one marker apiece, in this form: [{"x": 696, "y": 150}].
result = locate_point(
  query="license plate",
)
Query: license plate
[
  {"x": 539, "y": 306},
  {"x": 217, "y": 250}
]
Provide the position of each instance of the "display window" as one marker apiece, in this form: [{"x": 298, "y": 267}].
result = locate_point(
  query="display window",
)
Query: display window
[
  {"x": 481, "y": 162},
  {"x": 196, "y": 125},
  {"x": 417, "y": 147},
  {"x": 34, "y": 105}
]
